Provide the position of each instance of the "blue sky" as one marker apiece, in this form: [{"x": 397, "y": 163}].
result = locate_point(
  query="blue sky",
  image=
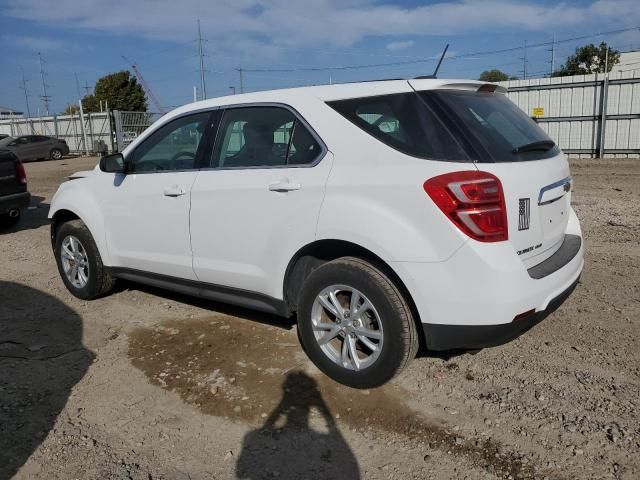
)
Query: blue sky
[{"x": 87, "y": 38}]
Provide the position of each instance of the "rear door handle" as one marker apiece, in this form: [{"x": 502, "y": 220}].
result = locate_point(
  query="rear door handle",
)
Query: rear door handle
[
  {"x": 284, "y": 185},
  {"x": 174, "y": 191}
]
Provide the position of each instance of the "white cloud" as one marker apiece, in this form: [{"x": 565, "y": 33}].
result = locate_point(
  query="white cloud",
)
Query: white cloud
[
  {"x": 33, "y": 43},
  {"x": 250, "y": 26},
  {"x": 395, "y": 46}
]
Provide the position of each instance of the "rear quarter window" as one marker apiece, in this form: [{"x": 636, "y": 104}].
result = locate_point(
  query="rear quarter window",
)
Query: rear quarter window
[{"x": 404, "y": 122}]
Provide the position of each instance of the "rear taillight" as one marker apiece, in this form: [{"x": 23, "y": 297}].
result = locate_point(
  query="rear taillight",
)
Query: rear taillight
[
  {"x": 21, "y": 175},
  {"x": 473, "y": 201}
]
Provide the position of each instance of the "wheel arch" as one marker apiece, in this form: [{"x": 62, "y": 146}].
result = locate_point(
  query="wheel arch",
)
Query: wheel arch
[
  {"x": 65, "y": 214},
  {"x": 316, "y": 253}
]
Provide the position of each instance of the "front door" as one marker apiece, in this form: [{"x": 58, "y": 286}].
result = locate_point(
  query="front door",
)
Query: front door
[
  {"x": 147, "y": 210},
  {"x": 259, "y": 202}
]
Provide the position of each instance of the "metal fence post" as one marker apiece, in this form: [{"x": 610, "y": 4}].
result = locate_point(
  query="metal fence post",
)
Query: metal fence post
[
  {"x": 118, "y": 121},
  {"x": 603, "y": 115},
  {"x": 55, "y": 126}
]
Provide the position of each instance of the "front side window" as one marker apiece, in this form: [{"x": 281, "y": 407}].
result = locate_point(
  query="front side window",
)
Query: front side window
[
  {"x": 251, "y": 137},
  {"x": 172, "y": 147}
]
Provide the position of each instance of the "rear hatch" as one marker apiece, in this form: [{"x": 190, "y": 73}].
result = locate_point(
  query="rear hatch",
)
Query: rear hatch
[
  {"x": 504, "y": 141},
  {"x": 9, "y": 181}
]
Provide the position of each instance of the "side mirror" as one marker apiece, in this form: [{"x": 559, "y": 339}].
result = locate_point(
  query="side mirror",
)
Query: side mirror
[{"x": 114, "y": 163}]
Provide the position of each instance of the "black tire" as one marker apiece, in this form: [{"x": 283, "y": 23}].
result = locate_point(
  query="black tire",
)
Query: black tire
[
  {"x": 55, "y": 154},
  {"x": 400, "y": 335},
  {"x": 100, "y": 282}
]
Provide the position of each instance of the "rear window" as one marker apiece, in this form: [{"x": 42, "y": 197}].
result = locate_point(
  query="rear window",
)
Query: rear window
[
  {"x": 405, "y": 123},
  {"x": 493, "y": 123},
  {"x": 451, "y": 125}
]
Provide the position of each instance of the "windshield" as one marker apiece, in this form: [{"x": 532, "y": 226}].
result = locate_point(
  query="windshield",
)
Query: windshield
[{"x": 499, "y": 130}]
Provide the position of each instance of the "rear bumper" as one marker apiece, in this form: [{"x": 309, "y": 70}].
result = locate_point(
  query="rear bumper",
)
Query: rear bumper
[
  {"x": 471, "y": 299},
  {"x": 15, "y": 200},
  {"x": 441, "y": 337}
]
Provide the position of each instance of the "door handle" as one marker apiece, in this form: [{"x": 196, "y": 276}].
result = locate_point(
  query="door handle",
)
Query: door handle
[
  {"x": 284, "y": 185},
  {"x": 174, "y": 191}
]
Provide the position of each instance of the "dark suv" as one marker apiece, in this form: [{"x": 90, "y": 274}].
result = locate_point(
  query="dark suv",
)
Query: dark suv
[
  {"x": 14, "y": 196},
  {"x": 35, "y": 147}
]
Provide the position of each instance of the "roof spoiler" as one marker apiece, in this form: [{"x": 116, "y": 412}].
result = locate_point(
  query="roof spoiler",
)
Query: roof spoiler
[{"x": 474, "y": 87}]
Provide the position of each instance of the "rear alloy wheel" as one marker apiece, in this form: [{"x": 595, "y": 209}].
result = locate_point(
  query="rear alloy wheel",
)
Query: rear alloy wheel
[
  {"x": 55, "y": 154},
  {"x": 79, "y": 262},
  {"x": 354, "y": 323}
]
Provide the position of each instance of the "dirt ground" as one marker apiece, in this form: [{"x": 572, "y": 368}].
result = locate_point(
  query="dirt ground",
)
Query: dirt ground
[{"x": 146, "y": 384}]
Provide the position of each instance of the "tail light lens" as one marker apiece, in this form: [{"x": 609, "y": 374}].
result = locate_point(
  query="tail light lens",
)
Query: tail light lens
[
  {"x": 473, "y": 201},
  {"x": 21, "y": 175}
]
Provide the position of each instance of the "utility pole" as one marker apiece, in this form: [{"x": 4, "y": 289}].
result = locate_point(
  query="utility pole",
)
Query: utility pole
[
  {"x": 553, "y": 55},
  {"x": 78, "y": 85},
  {"x": 524, "y": 62},
  {"x": 26, "y": 94},
  {"x": 45, "y": 98},
  {"x": 241, "y": 79},
  {"x": 203, "y": 88}
]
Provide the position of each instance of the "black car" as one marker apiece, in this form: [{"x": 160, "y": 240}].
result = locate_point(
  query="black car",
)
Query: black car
[
  {"x": 35, "y": 147},
  {"x": 14, "y": 196}
]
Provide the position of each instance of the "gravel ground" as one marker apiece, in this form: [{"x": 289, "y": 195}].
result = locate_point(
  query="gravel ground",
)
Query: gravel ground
[{"x": 146, "y": 384}]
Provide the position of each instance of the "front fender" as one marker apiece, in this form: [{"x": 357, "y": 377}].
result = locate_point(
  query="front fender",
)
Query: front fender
[{"x": 75, "y": 197}]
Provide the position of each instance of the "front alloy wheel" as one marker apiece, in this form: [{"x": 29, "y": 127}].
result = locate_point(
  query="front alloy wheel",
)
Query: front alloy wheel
[{"x": 75, "y": 262}]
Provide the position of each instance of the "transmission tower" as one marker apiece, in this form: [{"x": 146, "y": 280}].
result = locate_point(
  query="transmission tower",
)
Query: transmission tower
[
  {"x": 45, "y": 98},
  {"x": 26, "y": 93},
  {"x": 203, "y": 86},
  {"x": 146, "y": 87}
]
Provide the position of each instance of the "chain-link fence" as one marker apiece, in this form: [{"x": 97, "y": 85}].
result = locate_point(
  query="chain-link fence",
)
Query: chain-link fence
[{"x": 129, "y": 125}]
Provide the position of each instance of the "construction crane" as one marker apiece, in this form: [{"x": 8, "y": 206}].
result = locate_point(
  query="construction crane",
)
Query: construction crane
[{"x": 145, "y": 86}]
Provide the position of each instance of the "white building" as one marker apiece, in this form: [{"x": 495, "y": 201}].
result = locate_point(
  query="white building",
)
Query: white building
[{"x": 629, "y": 61}]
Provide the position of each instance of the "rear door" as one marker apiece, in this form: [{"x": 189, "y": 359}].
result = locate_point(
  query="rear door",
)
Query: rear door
[
  {"x": 533, "y": 172},
  {"x": 259, "y": 201}
]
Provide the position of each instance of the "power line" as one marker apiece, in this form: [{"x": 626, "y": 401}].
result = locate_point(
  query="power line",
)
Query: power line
[{"x": 431, "y": 59}]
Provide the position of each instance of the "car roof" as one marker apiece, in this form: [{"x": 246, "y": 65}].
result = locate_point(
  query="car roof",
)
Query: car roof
[{"x": 327, "y": 93}]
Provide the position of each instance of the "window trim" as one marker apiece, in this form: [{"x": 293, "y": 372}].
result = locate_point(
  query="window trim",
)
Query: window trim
[
  {"x": 297, "y": 118},
  {"x": 203, "y": 147}
]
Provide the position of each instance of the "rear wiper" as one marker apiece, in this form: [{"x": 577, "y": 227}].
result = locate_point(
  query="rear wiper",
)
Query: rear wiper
[{"x": 542, "y": 145}]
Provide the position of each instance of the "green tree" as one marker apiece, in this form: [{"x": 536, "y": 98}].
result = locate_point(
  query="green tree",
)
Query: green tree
[
  {"x": 120, "y": 90},
  {"x": 589, "y": 59},
  {"x": 494, "y": 75},
  {"x": 72, "y": 109}
]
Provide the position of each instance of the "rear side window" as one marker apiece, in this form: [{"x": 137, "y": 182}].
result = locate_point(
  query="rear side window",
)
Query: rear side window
[
  {"x": 405, "y": 123},
  {"x": 494, "y": 124},
  {"x": 251, "y": 137}
]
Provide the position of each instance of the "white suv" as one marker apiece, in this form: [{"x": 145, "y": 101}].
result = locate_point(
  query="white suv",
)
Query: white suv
[{"x": 384, "y": 214}]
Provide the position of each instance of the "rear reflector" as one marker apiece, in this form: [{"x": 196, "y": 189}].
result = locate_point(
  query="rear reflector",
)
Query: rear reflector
[
  {"x": 473, "y": 201},
  {"x": 21, "y": 175}
]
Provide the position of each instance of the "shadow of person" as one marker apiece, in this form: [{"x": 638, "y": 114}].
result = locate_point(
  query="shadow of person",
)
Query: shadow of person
[
  {"x": 41, "y": 359},
  {"x": 287, "y": 446}
]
